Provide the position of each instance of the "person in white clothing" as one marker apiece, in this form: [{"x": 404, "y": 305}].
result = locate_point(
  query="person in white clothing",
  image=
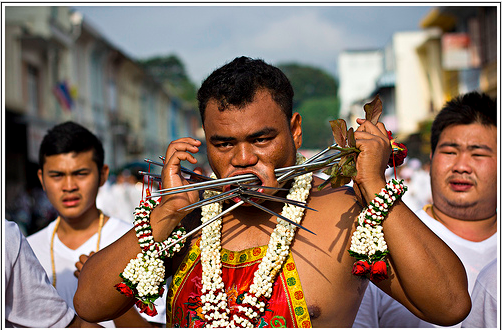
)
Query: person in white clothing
[
  {"x": 72, "y": 169},
  {"x": 464, "y": 192},
  {"x": 484, "y": 313},
  {"x": 30, "y": 299}
]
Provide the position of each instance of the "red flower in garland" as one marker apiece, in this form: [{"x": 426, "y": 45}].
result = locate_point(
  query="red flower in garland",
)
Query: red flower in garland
[
  {"x": 124, "y": 289},
  {"x": 398, "y": 154},
  {"x": 379, "y": 271},
  {"x": 360, "y": 268},
  {"x": 148, "y": 309}
]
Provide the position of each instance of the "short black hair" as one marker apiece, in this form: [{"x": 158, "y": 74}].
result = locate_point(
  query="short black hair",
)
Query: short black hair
[
  {"x": 237, "y": 82},
  {"x": 70, "y": 137},
  {"x": 464, "y": 109}
]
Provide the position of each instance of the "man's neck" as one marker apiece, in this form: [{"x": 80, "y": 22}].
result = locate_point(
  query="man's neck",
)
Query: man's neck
[
  {"x": 469, "y": 229},
  {"x": 76, "y": 231}
]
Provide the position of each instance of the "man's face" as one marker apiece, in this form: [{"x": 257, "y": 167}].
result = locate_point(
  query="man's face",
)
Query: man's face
[
  {"x": 464, "y": 170},
  {"x": 71, "y": 182},
  {"x": 254, "y": 139}
]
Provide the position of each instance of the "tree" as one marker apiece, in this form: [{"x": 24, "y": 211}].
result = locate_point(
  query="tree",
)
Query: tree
[
  {"x": 170, "y": 71},
  {"x": 316, "y": 114},
  {"x": 317, "y": 102},
  {"x": 309, "y": 82}
]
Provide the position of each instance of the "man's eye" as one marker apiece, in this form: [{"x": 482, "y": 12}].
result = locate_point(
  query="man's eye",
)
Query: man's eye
[
  {"x": 261, "y": 140},
  {"x": 223, "y": 145}
]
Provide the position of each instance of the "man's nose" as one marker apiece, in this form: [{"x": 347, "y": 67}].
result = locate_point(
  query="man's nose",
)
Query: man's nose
[
  {"x": 244, "y": 156},
  {"x": 69, "y": 184},
  {"x": 463, "y": 163}
]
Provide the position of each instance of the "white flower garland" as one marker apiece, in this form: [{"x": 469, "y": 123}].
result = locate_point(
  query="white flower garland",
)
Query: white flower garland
[
  {"x": 367, "y": 242},
  {"x": 144, "y": 275},
  {"x": 214, "y": 298}
]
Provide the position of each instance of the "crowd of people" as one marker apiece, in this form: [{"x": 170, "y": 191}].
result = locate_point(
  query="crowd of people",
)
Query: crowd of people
[{"x": 422, "y": 248}]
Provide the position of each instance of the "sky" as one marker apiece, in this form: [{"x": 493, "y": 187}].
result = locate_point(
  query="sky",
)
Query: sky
[{"x": 206, "y": 36}]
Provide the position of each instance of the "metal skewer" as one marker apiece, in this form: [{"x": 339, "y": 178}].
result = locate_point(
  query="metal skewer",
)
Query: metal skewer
[
  {"x": 282, "y": 177},
  {"x": 263, "y": 208},
  {"x": 204, "y": 224},
  {"x": 229, "y": 194},
  {"x": 241, "y": 202},
  {"x": 275, "y": 198},
  {"x": 234, "y": 179}
]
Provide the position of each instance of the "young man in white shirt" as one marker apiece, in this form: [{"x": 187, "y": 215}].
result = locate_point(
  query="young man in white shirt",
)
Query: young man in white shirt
[
  {"x": 71, "y": 171},
  {"x": 464, "y": 191}
]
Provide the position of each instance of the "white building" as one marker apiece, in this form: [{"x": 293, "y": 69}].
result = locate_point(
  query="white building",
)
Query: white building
[
  {"x": 397, "y": 74},
  {"x": 358, "y": 71}
]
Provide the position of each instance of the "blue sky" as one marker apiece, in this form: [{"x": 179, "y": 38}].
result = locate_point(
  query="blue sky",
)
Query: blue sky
[{"x": 205, "y": 36}]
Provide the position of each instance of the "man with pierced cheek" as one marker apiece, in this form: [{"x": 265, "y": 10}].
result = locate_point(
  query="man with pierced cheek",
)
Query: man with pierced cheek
[{"x": 251, "y": 268}]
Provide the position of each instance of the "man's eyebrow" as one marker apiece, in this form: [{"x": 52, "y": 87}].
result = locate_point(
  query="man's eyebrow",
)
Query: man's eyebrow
[
  {"x": 470, "y": 147},
  {"x": 262, "y": 132},
  {"x": 220, "y": 138},
  {"x": 83, "y": 169},
  {"x": 480, "y": 146}
]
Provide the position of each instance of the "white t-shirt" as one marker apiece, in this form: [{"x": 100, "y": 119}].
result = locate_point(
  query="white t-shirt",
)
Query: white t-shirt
[
  {"x": 30, "y": 299},
  {"x": 65, "y": 259},
  {"x": 378, "y": 310},
  {"x": 484, "y": 313}
]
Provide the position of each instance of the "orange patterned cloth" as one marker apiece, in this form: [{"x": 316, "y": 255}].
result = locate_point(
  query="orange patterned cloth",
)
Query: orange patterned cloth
[{"x": 285, "y": 309}]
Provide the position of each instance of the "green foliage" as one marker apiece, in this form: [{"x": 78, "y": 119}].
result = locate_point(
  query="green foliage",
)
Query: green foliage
[
  {"x": 309, "y": 82},
  {"x": 316, "y": 115},
  {"x": 316, "y": 100},
  {"x": 170, "y": 71}
]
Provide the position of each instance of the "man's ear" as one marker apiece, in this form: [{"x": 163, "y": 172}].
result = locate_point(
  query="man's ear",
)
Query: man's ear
[
  {"x": 105, "y": 170},
  {"x": 296, "y": 129},
  {"x": 40, "y": 175}
]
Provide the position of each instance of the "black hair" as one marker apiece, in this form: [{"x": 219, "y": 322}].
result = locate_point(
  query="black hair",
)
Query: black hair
[
  {"x": 70, "y": 137},
  {"x": 465, "y": 109},
  {"x": 237, "y": 82}
]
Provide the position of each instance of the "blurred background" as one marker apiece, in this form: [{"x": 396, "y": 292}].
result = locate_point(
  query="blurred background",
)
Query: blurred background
[{"x": 130, "y": 75}]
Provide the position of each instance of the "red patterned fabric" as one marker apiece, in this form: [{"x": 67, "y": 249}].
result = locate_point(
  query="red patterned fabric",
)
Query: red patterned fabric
[{"x": 285, "y": 308}]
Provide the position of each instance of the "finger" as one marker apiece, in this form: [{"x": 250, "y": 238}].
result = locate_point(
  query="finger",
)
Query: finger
[
  {"x": 83, "y": 258},
  {"x": 76, "y": 273},
  {"x": 179, "y": 151},
  {"x": 183, "y": 144},
  {"x": 382, "y": 128},
  {"x": 199, "y": 170},
  {"x": 367, "y": 127},
  {"x": 360, "y": 121}
]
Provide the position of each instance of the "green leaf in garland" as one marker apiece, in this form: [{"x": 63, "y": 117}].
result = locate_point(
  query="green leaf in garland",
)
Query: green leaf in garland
[{"x": 349, "y": 168}]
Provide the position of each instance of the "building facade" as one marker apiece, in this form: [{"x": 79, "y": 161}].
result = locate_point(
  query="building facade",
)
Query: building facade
[{"x": 59, "y": 68}]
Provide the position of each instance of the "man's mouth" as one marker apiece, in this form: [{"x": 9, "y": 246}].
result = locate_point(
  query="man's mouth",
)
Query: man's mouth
[
  {"x": 238, "y": 199},
  {"x": 71, "y": 201},
  {"x": 460, "y": 185}
]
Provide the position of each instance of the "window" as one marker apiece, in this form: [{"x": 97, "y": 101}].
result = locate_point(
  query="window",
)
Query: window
[{"x": 32, "y": 90}]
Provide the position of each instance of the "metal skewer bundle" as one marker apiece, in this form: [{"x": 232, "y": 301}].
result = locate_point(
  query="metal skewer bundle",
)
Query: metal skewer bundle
[{"x": 247, "y": 186}]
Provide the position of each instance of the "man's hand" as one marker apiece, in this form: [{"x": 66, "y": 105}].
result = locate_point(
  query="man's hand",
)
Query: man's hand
[
  {"x": 375, "y": 149},
  {"x": 79, "y": 264},
  {"x": 166, "y": 215}
]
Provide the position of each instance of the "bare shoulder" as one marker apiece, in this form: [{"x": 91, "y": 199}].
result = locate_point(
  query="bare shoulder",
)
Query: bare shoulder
[{"x": 334, "y": 205}]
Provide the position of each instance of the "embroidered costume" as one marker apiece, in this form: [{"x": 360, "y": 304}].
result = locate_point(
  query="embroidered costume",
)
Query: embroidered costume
[{"x": 285, "y": 308}]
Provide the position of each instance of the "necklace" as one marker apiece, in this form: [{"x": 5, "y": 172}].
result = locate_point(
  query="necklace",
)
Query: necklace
[
  {"x": 435, "y": 216},
  {"x": 56, "y": 226},
  {"x": 214, "y": 298}
]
